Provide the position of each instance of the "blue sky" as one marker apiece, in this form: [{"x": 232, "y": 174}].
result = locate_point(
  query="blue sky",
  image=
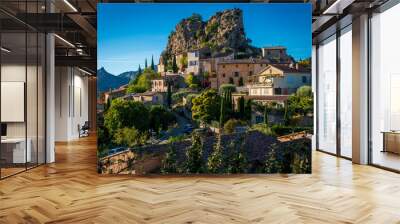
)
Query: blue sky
[{"x": 129, "y": 33}]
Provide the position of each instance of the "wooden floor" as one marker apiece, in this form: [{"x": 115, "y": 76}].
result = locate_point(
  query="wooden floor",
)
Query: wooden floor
[{"x": 70, "y": 191}]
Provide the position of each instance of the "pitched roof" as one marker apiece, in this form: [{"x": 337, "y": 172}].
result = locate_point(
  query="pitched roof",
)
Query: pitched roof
[
  {"x": 268, "y": 98},
  {"x": 246, "y": 61}
]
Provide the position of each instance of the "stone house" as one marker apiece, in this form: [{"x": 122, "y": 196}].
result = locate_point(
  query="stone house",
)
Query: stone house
[
  {"x": 237, "y": 72},
  {"x": 278, "y": 80}
]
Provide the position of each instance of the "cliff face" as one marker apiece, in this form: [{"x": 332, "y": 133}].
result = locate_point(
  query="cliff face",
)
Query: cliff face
[{"x": 223, "y": 32}]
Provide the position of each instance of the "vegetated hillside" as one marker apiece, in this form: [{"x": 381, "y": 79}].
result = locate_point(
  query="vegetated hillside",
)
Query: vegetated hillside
[
  {"x": 222, "y": 33},
  {"x": 131, "y": 75},
  {"x": 106, "y": 81}
]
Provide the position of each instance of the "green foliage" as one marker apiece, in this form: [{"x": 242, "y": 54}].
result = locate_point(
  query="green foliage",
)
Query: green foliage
[
  {"x": 184, "y": 62},
  {"x": 215, "y": 161},
  {"x": 174, "y": 65},
  {"x": 248, "y": 110},
  {"x": 194, "y": 154},
  {"x": 195, "y": 17},
  {"x": 227, "y": 87},
  {"x": 231, "y": 124},
  {"x": 241, "y": 111},
  {"x": 192, "y": 81},
  {"x": 301, "y": 103},
  {"x": 304, "y": 91},
  {"x": 266, "y": 116},
  {"x": 177, "y": 97},
  {"x": 169, "y": 95},
  {"x": 124, "y": 113},
  {"x": 236, "y": 157},
  {"x": 160, "y": 118},
  {"x": 226, "y": 110},
  {"x": 145, "y": 63},
  {"x": 169, "y": 163},
  {"x": 206, "y": 106},
  {"x": 177, "y": 138},
  {"x": 129, "y": 137},
  {"x": 142, "y": 83},
  {"x": 306, "y": 63},
  {"x": 262, "y": 128},
  {"x": 139, "y": 71},
  {"x": 279, "y": 130},
  {"x": 272, "y": 164},
  {"x": 212, "y": 28},
  {"x": 153, "y": 67}
]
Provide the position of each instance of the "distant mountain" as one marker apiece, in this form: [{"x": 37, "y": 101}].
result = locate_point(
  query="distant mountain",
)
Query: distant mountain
[
  {"x": 131, "y": 75},
  {"x": 106, "y": 80}
]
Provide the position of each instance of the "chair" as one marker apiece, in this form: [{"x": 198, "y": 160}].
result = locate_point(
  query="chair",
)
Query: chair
[{"x": 84, "y": 130}]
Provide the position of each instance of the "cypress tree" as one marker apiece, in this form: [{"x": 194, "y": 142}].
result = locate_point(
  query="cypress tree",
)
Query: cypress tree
[
  {"x": 241, "y": 108},
  {"x": 145, "y": 63},
  {"x": 169, "y": 95},
  {"x": 139, "y": 71},
  {"x": 152, "y": 63},
  {"x": 222, "y": 111},
  {"x": 266, "y": 116},
  {"x": 174, "y": 65}
]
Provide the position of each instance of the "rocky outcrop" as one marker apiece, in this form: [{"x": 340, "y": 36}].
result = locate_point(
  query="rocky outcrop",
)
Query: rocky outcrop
[{"x": 222, "y": 33}]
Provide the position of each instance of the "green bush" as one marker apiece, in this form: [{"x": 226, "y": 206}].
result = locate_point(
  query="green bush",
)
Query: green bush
[
  {"x": 230, "y": 125},
  {"x": 215, "y": 162},
  {"x": 129, "y": 137},
  {"x": 194, "y": 155},
  {"x": 169, "y": 163}
]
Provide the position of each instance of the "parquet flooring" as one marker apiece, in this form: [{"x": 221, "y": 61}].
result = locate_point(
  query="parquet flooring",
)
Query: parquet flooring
[{"x": 71, "y": 191}]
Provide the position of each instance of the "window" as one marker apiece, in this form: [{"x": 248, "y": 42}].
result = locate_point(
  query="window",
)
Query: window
[
  {"x": 223, "y": 75},
  {"x": 250, "y": 73},
  {"x": 326, "y": 95},
  {"x": 192, "y": 63},
  {"x": 385, "y": 88},
  {"x": 223, "y": 66},
  {"x": 236, "y": 74},
  {"x": 237, "y": 66},
  {"x": 346, "y": 92}
]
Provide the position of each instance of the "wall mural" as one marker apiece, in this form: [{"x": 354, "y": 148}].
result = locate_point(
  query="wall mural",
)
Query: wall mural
[{"x": 204, "y": 88}]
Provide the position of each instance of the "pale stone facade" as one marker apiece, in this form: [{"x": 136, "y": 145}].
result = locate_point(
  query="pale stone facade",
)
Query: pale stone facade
[{"x": 237, "y": 72}]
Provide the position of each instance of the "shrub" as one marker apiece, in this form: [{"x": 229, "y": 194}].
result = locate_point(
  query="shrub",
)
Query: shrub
[
  {"x": 194, "y": 154},
  {"x": 129, "y": 137},
  {"x": 230, "y": 125},
  {"x": 169, "y": 163},
  {"x": 215, "y": 160}
]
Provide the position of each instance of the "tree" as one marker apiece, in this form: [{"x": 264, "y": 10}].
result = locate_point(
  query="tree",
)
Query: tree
[
  {"x": 124, "y": 113},
  {"x": 169, "y": 95},
  {"x": 226, "y": 87},
  {"x": 169, "y": 163},
  {"x": 240, "y": 83},
  {"x": 266, "y": 115},
  {"x": 226, "y": 106},
  {"x": 236, "y": 160},
  {"x": 241, "y": 108},
  {"x": 192, "y": 81},
  {"x": 184, "y": 62},
  {"x": 142, "y": 83},
  {"x": 174, "y": 65},
  {"x": 129, "y": 137},
  {"x": 231, "y": 124},
  {"x": 215, "y": 161},
  {"x": 153, "y": 67},
  {"x": 272, "y": 164},
  {"x": 304, "y": 91},
  {"x": 194, "y": 154},
  {"x": 247, "y": 110},
  {"x": 145, "y": 63},
  {"x": 160, "y": 118},
  {"x": 139, "y": 71},
  {"x": 206, "y": 106}
]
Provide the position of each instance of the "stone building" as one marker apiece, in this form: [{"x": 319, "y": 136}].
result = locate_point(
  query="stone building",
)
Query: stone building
[{"x": 237, "y": 72}]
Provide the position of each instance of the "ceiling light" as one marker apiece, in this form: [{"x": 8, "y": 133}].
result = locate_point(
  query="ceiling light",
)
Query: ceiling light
[
  {"x": 70, "y": 5},
  {"x": 65, "y": 41},
  {"x": 5, "y": 50},
  {"x": 84, "y": 71}
]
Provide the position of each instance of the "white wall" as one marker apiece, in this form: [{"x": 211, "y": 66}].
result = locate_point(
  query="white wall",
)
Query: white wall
[{"x": 71, "y": 103}]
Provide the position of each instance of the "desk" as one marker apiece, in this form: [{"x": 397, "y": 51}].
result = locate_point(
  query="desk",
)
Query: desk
[
  {"x": 14, "y": 150},
  {"x": 391, "y": 141}
]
